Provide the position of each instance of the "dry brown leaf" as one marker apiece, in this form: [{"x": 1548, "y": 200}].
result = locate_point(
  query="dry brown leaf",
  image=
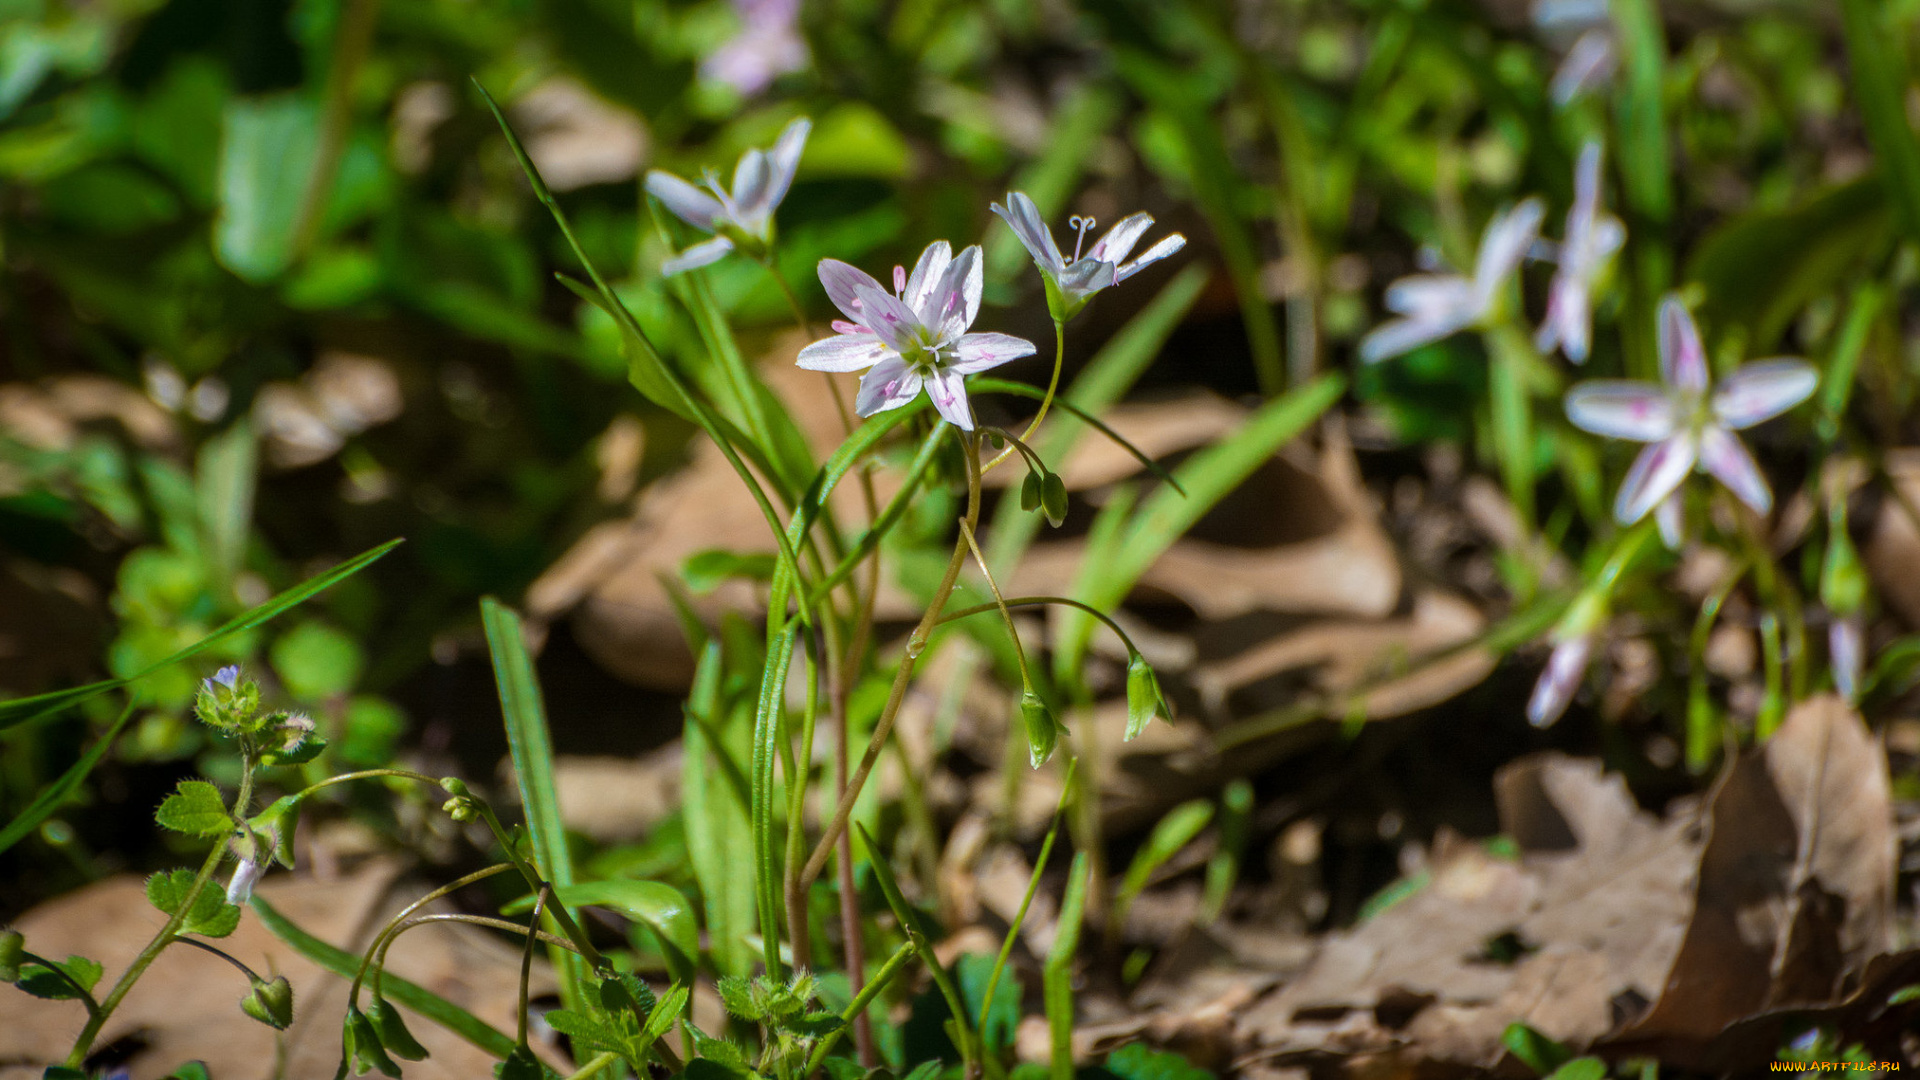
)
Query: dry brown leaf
[
  {"x": 1893, "y": 549},
  {"x": 187, "y": 1005}
]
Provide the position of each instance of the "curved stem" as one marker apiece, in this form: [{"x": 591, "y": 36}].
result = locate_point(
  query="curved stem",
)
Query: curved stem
[
  {"x": 600, "y": 1061},
  {"x": 84, "y": 996},
  {"x": 1053, "y": 384},
  {"x": 1000, "y": 604},
  {"x": 1037, "y": 601},
  {"x": 916, "y": 642},
  {"x": 536, "y": 882},
  {"x": 375, "y": 958},
  {"x": 251, "y": 975},
  {"x": 526, "y": 956}
]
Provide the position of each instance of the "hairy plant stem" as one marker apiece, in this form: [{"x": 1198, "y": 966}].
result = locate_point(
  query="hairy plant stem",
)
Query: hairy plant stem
[
  {"x": 166, "y": 935},
  {"x": 916, "y": 642}
]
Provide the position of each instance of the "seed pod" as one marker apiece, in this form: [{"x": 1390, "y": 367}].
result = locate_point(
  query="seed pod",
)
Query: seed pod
[
  {"x": 1042, "y": 730},
  {"x": 1030, "y": 492},
  {"x": 1144, "y": 701},
  {"x": 1053, "y": 498},
  {"x": 393, "y": 1030},
  {"x": 270, "y": 1002}
]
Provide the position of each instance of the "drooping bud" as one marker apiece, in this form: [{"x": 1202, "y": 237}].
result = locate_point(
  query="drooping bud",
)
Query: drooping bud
[
  {"x": 1053, "y": 498},
  {"x": 1144, "y": 701},
  {"x": 1846, "y": 652},
  {"x": 270, "y": 1002},
  {"x": 1560, "y": 679},
  {"x": 245, "y": 875},
  {"x": 1042, "y": 730},
  {"x": 453, "y": 785}
]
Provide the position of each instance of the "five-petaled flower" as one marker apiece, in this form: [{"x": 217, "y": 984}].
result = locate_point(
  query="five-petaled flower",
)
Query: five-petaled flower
[
  {"x": 1072, "y": 282},
  {"x": 1593, "y": 235},
  {"x": 915, "y": 338},
  {"x": 1434, "y": 306},
  {"x": 1686, "y": 425},
  {"x": 740, "y": 219}
]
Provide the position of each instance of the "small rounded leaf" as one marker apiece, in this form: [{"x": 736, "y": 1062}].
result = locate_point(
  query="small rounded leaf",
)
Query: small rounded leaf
[
  {"x": 1042, "y": 730},
  {"x": 270, "y": 1002}
]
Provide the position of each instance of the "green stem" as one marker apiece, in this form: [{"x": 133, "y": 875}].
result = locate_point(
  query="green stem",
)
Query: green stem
[
  {"x": 375, "y": 958},
  {"x": 1026, "y": 899},
  {"x": 538, "y": 883},
  {"x": 1513, "y": 440},
  {"x": 1013, "y": 632},
  {"x": 1036, "y": 601},
  {"x": 1053, "y": 384},
  {"x": 858, "y": 1006},
  {"x": 599, "y": 1061},
  {"x": 870, "y": 540},
  {"x": 251, "y": 975}
]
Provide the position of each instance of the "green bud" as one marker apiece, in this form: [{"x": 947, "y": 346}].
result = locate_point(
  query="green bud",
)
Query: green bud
[
  {"x": 271, "y": 1003},
  {"x": 1843, "y": 582},
  {"x": 364, "y": 1048},
  {"x": 1144, "y": 701},
  {"x": 1030, "y": 492},
  {"x": 1042, "y": 730},
  {"x": 1053, "y": 498},
  {"x": 453, "y": 785},
  {"x": 393, "y": 1030},
  {"x": 459, "y": 809},
  {"x": 12, "y": 945}
]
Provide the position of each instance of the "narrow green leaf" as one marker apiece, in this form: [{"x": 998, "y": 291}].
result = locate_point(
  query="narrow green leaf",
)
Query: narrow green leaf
[
  {"x": 41, "y": 980},
  {"x": 1173, "y": 832},
  {"x": 525, "y": 712},
  {"x": 420, "y": 1000},
  {"x": 1001, "y": 386},
  {"x": 655, "y": 905},
  {"x": 224, "y": 482},
  {"x": 767, "y": 728},
  {"x": 1639, "y": 111},
  {"x": 1880, "y": 89},
  {"x": 55, "y": 794},
  {"x": 22, "y": 710},
  {"x": 195, "y": 809},
  {"x": 719, "y": 829}
]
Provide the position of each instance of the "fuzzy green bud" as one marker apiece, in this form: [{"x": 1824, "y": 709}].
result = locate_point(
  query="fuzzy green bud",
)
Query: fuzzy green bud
[
  {"x": 270, "y": 1002},
  {"x": 1042, "y": 730}
]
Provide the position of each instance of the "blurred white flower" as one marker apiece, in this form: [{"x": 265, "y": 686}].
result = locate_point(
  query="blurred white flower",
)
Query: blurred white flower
[
  {"x": 768, "y": 46},
  {"x": 915, "y": 338},
  {"x": 739, "y": 218},
  {"x": 1592, "y": 238},
  {"x": 1685, "y": 424},
  {"x": 1554, "y": 691},
  {"x": 1435, "y": 306}
]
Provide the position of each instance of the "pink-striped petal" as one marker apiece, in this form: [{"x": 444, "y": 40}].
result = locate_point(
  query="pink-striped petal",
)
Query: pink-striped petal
[
  {"x": 1723, "y": 455},
  {"x": 925, "y": 277},
  {"x": 885, "y": 315},
  {"x": 978, "y": 352},
  {"x": 752, "y": 180},
  {"x": 1505, "y": 243},
  {"x": 1560, "y": 679},
  {"x": 1568, "y": 325},
  {"x": 1405, "y": 335},
  {"x": 955, "y": 300},
  {"x": 1683, "y": 361},
  {"x": 1655, "y": 473},
  {"x": 1620, "y": 409},
  {"x": 843, "y": 283},
  {"x": 1763, "y": 390},
  {"x": 948, "y": 391},
  {"x": 784, "y": 160},
  {"x": 889, "y": 385},
  {"x": 1118, "y": 243},
  {"x": 688, "y": 203},
  {"x": 845, "y": 352}
]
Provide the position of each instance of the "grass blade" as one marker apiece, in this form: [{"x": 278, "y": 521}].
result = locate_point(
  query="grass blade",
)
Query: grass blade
[
  {"x": 659, "y": 907},
  {"x": 1057, "y": 979},
  {"x": 1174, "y": 832},
  {"x": 412, "y": 995},
  {"x": 1879, "y": 88},
  {"x": 56, "y": 793},
  {"x": 766, "y": 850},
  {"x": 21, "y": 710},
  {"x": 719, "y": 832}
]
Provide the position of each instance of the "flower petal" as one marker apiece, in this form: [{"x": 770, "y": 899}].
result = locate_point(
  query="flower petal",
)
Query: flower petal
[
  {"x": 1725, "y": 456},
  {"x": 1023, "y": 217},
  {"x": 1167, "y": 246},
  {"x": 948, "y": 391},
  {"x": 784, "y": 159},
  {"x": 843, "y": 283},
  {"x": 956, "y": 299},
  {"x": 844, "y": 352},
  {"x": 1655, "y": 473},
  {"x": 1119, "y": 240},
  {"x": 1086, "y": 277},
  {"x": 1586, "y": 185},
  {"x": 978, "y": 352},
  {"x": 1569, "y": 320},
  {"x": 752, "y": 179},
  {"x": 1846, "y": 654},
  {"x": 886, "y": 316},
  {"x": 1763, "y": 390},
  {"x": 1588, "y": 64},
  {"x": 926, "y": 275},
  {"x": 1671, "y": 517},
  {"x": 1560, "y": 679},
  {"x": 888, "y": 386},
  {"x": 1505, "y": 243},
  {"x": 1683, "y": 361},
  {"x": 700, "y": 254},
  {"x": 688, "y": 203},
  {"x": 1404, "y": 335},
  {"x": 1620, "y": 409},
  {"x": 1433, "y": 296}
]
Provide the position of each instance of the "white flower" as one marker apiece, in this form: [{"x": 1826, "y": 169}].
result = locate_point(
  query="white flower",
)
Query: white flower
[
  {"x": 741, "y": 218},
  {"x": 1435, "y": 306},
  {"x": 245, "y": 876},
  {"x": 1846, "y": 652},
  {"x": 766, "y": 47},
  {"x": 1686, "y": 425},
  {"x": 1560, "y": 679},
  {"x": 1072, "y": 282},
  {"x": 913, "y": 339},
  {"x": 1593, "y": 235}
]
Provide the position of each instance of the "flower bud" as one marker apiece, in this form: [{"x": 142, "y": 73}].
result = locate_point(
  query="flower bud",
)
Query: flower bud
[
  {"x": 245, "y": 875},
  {"x": 12, "y": 949},
  {"x": 453, "y": 785},
  {"x": 1846, "y": 653},
  {"x": 1053, "y": 498},
  {"x": 1558, "y": 682},
  {"x": 1144, "y": 701},
  {"x": 270, "y": 1002},
  {"x": 459, "y": 809},
  {"x": 1042, "y": 730},
  {"x": 1843, "y": 582},
  {"x": 1030, "y": 492}
]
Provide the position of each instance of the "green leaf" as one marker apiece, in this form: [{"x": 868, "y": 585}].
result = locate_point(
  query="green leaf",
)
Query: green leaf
[
  {"x": 669, "y": 1007},
  {"x": 736, "y": 993},
  {"x": 719, "y": 829},
  {"x": 1880, "y": 90},
  {"x": 707, "y": 570},
  {"x": 195, "y": 809},
  {"x": 45, "y": 981},
  {"x": 767, "y": 727},
  {"x": 224, "y": 481},
  {"x": 532, "y": 749},
  {"x": 21, "y": 710},
  {"x": 316, "y": 661},
  {"x": 589, "y": 1032},
  {"x": 659, "y": 907},
  {"x": 1057, "y": 976},
  {"x": 1138, "y": 1061},
  {"x": 420, "y": 1000},
  {"x": 520, "y": 1065},
  {"x": 1535, "y": 1051},
  {"x": 192, "y": 1070},
  {"x": 210, "y": 914},
  {"x": 363, "y": 1046},
  {"x": 1585, "y": 1068},
  {"x": 392, "y": 1029},
  {"x": 1173, "y": 832},
  {"x": 266, "y": 162},
  {"x": 54, "y": 795}
]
